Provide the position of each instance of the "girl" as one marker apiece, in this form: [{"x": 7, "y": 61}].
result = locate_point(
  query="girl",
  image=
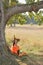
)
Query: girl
[{"x": 15, "y": 48}]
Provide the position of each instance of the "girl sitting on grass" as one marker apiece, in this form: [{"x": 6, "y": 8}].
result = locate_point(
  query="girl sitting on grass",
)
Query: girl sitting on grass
[{"x": 15, "y": 48}]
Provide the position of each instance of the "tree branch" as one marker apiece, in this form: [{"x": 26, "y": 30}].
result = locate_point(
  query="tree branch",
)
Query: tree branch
[{"x": 23, "y": 8}]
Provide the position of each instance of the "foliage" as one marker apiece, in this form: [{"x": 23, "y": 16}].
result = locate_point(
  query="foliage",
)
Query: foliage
[
  {"x": 29, "y": 1},
  {"x": 39, "y": 18},
  {"x": 21, "y": 19},
  {"x": 10, "y": 21},
  {"x": 8, "y": 3},
  {"x": 13, "y": 2}
]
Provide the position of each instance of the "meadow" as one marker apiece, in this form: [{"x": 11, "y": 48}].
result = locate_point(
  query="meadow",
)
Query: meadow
[
  {"x": 31, "y": 37},
  {"x": 31, "y": 42}
]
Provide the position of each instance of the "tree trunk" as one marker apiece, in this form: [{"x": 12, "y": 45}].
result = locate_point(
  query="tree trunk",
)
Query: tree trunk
[{"x": 5, "y": 57}]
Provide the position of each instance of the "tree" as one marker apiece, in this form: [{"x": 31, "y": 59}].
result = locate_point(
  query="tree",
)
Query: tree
[
  {"x": 17, "y": 18},
  {"x": 13, "y": 2},
  {"x": 30, "y": 1},
  {"x": 38, "y": 18},
  {"x": 5, "y": 56}
]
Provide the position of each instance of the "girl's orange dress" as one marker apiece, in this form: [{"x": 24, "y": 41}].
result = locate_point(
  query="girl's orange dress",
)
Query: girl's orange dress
[{"x": 14, "y": 49}]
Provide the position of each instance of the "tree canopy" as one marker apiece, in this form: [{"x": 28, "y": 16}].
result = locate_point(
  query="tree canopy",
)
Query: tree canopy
[{"x": 16, "y": 3}]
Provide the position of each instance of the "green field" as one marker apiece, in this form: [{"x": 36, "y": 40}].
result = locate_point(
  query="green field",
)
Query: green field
[{"x": 31, "y": 41}]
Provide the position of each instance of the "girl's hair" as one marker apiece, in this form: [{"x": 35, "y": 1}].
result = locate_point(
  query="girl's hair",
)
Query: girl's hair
[
  {"x": 13, "y": 42},
  {"x": 15, "y": 39}
]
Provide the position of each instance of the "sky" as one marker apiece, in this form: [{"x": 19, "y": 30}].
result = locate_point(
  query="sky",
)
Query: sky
[{"x": 22, "y": 1}]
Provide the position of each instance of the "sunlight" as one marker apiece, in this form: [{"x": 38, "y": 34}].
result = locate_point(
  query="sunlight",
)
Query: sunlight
[{"x": 22, "y": 1}]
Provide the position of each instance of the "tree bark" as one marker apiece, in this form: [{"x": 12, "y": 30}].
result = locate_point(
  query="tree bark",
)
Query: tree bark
[{"x": 6, "y": 58}]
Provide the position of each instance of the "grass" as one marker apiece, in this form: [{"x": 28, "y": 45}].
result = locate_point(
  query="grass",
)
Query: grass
[
  {"x": 31, "y": 41},
  {"x": 31, "y": 37}
]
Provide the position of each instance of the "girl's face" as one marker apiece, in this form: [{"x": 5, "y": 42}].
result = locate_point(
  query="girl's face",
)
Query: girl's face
[{"x": 15, "y": 41}]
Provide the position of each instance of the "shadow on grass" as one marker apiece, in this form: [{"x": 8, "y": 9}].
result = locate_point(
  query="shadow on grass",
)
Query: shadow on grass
[{"x": 30, "y": 59}]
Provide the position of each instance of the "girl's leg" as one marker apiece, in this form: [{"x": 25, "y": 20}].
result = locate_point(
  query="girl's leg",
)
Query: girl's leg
[{"x": 22, "y": 54}]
